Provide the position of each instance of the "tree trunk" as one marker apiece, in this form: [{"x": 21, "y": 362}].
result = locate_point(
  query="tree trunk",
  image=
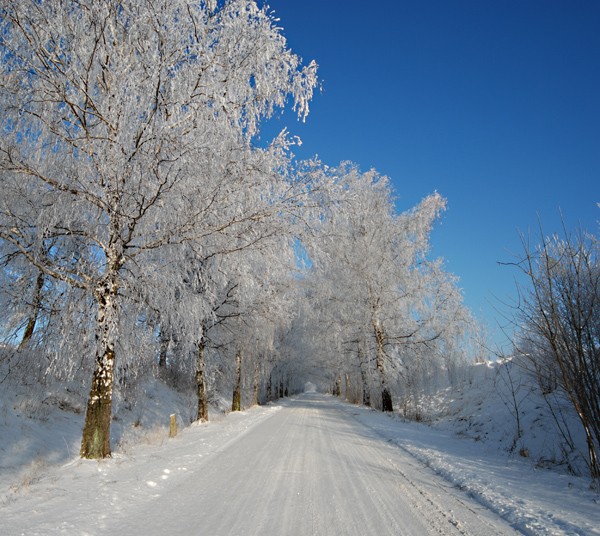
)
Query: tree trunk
[
  {"x": 95, "y": 442},
  {"x": 593, "y": 462},
  {"x": 236, "y": 403},
  {"x": 270, "y": 388},
  {"x": 36, "y": 304},
  {"x": 386, "y": 400},
  {"x": 256, "y": 383},
  {"x": 165, "y": 339},
  {"x": 366, "y": 394},
  {"x": 386, "y": 396},
  {"x": 337, "y": 388},
  {"x": 202, "y": 414},
  {"x": 593, "y": 459}
]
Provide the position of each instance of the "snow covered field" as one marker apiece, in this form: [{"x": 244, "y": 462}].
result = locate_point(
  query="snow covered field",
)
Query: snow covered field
[{"x": 46, "y": 489}]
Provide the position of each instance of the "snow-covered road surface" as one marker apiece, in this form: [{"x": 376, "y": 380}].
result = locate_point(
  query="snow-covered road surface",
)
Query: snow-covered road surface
[
  {"x": 308, "y": 467},
  {"x": 312, "y": 469}
]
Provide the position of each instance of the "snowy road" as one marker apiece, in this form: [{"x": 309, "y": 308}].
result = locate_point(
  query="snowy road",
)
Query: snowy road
[
  {"x": 307, "y": 468},
  {"x": 311, "y": 469}
]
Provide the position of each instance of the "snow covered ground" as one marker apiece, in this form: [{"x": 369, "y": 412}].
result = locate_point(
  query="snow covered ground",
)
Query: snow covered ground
[{"x": 470, "y": 444}]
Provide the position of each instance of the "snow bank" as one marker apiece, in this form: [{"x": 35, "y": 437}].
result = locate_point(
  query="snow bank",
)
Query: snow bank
[
  {"x": 523, "y": 469},
  {"x": 41, "y": 424},
  {"x": 501, "y": 406},
  {"x": 534, "y": 501}
]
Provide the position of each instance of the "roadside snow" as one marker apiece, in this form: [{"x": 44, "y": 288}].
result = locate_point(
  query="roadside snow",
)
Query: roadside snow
[
  {"x": 534, "y": 501},
  {"x": 83, "y": 493}
]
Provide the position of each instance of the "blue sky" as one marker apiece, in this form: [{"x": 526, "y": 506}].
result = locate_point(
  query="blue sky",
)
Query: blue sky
[{"x": 494, "y": 104}]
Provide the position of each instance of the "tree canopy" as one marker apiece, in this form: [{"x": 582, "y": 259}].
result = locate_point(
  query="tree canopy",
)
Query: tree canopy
[{"x": 142, "y": 227}]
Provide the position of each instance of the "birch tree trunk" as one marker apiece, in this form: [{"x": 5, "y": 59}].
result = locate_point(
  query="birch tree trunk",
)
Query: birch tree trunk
[
  {"x": 202, "y": 414},
  {"x": 36, "y": 304},
  {"x": 236, "y": 403},
  {"x": 366, "y": 393},
  {"x": 256, "y": 383},
  {"x": 386, "y": 396},
  {"x": 337, "y": 387},
  {"x": 95, "y": 442},
  {"x": 165, "y": 339},
  {"x": 349, "y": 395},
  {"x": 270, "y": 388}
]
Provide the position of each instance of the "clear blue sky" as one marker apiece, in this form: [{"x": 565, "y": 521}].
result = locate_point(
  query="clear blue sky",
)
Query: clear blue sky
[{"x": 494, "y": 104}]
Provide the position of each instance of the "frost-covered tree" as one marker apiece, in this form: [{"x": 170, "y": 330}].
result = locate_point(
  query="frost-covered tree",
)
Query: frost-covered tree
[
  {"x": 132, "y": 120},
  {"x": 208, "y": 281},
  {"x": 24, "y": 297},
  {"x": 261, "y": 279},
  {"x": 387, "y": 299}
]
